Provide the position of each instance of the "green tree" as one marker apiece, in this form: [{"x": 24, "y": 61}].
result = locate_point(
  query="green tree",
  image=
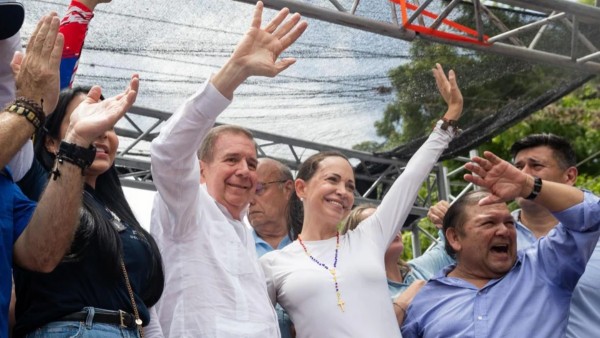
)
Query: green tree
[
  {"x": 575, "y": 117},
  {"x": 488, "y": 82}
]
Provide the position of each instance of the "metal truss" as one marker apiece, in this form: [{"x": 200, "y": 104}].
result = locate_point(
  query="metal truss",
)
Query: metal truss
[
  {"x": 133, "y": 164},
  {"x": 375, "y": 174},
  {"x": 571, "y": 15}
]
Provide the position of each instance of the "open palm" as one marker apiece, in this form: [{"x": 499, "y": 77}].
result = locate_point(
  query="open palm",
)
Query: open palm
[
  {"x": 259, "y": 48},
  {"x": 92, "y": 118},
  {"x": 502, "y": 179}
]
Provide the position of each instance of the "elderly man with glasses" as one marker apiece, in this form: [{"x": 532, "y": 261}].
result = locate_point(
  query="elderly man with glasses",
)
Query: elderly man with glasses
[
  {"x": 268, "y": 217},
  {"x": 268, "y": 209}
]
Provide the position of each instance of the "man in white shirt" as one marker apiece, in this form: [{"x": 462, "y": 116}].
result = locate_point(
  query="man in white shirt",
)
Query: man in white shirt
[{"x": 214, "y": 285}]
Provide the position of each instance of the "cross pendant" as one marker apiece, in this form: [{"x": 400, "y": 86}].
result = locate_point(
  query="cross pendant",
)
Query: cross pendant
[{"x": 341, "y": 304}]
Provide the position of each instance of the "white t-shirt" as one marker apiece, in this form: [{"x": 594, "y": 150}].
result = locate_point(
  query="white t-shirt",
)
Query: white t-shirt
[{"x": 306, "y": 290}]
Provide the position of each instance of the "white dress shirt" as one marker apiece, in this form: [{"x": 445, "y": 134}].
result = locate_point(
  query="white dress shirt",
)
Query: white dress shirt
[{"x": 214, "y": 286}]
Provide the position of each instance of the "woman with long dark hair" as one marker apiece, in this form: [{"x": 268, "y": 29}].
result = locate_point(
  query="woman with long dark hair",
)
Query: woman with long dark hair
[
  {"x": 334, "y": 285},
  {"x": 113, "y": 272}
]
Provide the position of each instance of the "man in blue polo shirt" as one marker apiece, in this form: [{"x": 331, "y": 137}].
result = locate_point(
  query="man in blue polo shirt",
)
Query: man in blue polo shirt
[
  {"x": 549, "y": 157},
  {"x": 493, "y": 290}
]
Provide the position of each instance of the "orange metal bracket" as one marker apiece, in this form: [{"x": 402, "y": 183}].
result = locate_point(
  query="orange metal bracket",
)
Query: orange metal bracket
[{"x": 470, "y": 36}]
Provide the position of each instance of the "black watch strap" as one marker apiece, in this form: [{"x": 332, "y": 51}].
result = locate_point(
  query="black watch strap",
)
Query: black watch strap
[{"x": 537, "y": 187}]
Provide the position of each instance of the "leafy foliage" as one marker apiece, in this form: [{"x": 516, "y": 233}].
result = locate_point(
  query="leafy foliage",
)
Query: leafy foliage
[{"x": 575, "y": 117}]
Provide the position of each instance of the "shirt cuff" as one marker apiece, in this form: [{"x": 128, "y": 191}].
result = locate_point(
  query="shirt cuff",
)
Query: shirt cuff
[
  {"x": 448, "y": 133},
  {"x": 208, "y": 101}
]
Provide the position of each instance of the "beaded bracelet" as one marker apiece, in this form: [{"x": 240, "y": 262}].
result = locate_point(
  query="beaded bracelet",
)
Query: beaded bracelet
[{"x": 27, "y": 108}]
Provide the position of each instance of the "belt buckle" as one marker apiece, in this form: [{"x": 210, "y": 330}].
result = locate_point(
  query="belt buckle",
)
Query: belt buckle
[{"x": 122, "y": 318}]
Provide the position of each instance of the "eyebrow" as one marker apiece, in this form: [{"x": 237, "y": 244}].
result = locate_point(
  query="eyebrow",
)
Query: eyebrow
[
  {"x": 237, "y": 154},
  {"x": 485, "y": 218},
  {"x": 530, "y": 159}
]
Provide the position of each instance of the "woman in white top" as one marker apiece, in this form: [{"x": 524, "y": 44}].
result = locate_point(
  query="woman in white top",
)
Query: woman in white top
[{"x": 334, "y": 285}]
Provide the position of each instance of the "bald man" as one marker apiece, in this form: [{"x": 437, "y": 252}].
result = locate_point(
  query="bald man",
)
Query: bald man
[
  {"x": 267, "y": 215},
  {"x": 268, "y": 209}
]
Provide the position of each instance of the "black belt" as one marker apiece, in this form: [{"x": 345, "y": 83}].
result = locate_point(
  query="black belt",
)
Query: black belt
[{"x": 120, "y": 318}]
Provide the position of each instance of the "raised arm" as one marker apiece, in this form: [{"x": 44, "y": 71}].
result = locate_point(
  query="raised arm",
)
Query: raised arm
[
  {"x": 396, "y": 205},
  {"x": 37, "y": 86},
  {"x": 258, "y": 52},
  {"x": 564, "y": 252},
  {"x": 74, "y": 27},
  {"x": 21, "y": 161},
  {"x": 49, "y": 233},
  {"x": 175, "y": 167},
  {"x": 506, "y": 183}
]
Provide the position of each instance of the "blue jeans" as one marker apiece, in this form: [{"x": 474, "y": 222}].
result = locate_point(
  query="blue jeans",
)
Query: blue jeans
[{"x": 87, "y": 329}]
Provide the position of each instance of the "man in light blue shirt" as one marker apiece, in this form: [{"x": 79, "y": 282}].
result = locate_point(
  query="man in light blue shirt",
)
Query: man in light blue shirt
[
  {"x": 262, "y": 247},
  {"x": 267, "y": 215},
  {"x": 552, "y": 158},
  {"x": 493, "y": 291},
  {"x": 267, "y": 212}
]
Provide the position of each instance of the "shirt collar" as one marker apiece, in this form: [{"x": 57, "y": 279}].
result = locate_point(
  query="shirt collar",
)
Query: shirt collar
[
  {"x": 284, "y": 241},
  {"x": 442, "y": 275}
]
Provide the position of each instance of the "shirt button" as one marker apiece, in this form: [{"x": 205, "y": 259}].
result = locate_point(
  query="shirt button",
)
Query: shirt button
[{"x": 479, "y": 318}]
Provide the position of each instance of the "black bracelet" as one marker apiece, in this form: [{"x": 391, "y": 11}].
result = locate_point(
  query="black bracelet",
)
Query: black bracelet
[
  {"x": 74, "y": 154},
  {"x": 27, "y": 108},
  {"x": 450, "y": 123},
  {"x": 537, "y": 187}
]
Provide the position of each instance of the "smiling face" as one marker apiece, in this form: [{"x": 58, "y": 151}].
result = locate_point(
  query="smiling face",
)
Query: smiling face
[
  {"x": 485, "y": 245},
  {"x": 230, "y": 175},
  {"x": 329, "y": 194},
  {"x": 106, "y": 145}
]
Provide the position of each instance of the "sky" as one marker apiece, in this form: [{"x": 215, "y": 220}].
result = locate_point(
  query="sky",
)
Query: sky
[{"x": 141, "y": 203}]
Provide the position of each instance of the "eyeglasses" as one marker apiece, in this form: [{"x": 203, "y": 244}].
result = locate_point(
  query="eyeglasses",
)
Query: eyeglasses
[{"x": 261, "y": 186}]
